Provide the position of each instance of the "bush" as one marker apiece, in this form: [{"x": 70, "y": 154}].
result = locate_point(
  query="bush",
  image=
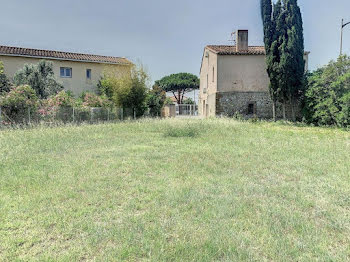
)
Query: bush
[
  {"x": 40, "y": 77},
  {"x": 327, "y": 98},
  {"x": 93, "y": 100},
  {"x": 59, "y": 106},
  {"x": 19, "y": 103},
  {"x": 61, "y": 99}
]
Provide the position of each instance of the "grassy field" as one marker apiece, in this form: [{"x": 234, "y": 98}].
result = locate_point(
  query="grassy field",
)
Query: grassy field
[{"x": 175, "y": 190}]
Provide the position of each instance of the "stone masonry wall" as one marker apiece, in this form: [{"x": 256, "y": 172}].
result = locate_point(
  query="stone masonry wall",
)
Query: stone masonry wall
[{"x": 228, "y": 103}]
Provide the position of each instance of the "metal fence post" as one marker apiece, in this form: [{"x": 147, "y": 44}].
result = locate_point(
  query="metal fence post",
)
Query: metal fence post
[
  {"x": 91, "y": 113},
  {"x": 0, "y": 117},
  {"x": 134, "y": 113},
  {"x": 107, "y": 114},
  {"x": 73, "y": 115}
]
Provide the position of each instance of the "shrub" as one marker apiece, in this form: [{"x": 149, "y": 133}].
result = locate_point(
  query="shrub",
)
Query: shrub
[
  {"x": 40, "y": 77},
  {"x": 59, "y": 106},
  {"x": 93, "y": 100},
  {"x": 61, "y": 99},
  {"x": 19, "y": 103}
]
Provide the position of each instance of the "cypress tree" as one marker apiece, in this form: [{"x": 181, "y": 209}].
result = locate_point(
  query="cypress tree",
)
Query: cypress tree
[
  {"x": 284, "y": 44},
  {"x": 271, "y": 48},
  {"x": 282, "y": 31},
  {"x": 295, "y": 64}
]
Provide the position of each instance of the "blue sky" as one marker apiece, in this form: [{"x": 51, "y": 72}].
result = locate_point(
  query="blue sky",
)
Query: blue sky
[{"x": 167, "y": 36}]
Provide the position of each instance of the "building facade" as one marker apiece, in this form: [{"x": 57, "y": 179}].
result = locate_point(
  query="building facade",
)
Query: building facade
[
  {"x": 77, "y": 72},
  {"x": 233, "y": 79}
]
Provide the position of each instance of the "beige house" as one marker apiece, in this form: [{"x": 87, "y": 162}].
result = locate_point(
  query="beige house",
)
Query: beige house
[
  {"x": 234, "y": 79},
  {"x": 77, "y": 72}
]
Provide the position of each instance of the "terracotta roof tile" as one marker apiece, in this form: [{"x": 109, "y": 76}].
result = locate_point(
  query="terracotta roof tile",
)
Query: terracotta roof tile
[
  {"x": 231, "y": 50},
  {"x": 28, "y": 52}
]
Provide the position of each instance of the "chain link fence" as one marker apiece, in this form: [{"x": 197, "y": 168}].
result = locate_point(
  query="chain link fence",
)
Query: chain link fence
[{"x": 63, "y": 115}]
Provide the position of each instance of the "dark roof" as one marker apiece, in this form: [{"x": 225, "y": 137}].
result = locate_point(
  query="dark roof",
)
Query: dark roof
[
  {"x": 28, "y": 52},
  {"x": 231, "y": 50}
]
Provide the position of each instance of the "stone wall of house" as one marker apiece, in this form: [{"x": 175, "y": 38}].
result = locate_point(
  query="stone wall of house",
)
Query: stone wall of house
[{"x": 258, "y": 103}]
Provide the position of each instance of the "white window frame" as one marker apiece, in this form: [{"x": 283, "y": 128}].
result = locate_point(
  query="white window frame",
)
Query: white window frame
[{"x": 65, "y": 72}]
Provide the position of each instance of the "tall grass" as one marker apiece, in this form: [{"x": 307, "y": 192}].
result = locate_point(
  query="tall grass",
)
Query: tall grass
[{"x": 175, "y": 190}]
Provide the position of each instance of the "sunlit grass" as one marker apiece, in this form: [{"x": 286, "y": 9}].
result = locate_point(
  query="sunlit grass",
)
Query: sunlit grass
[{"x": 175, "y": 190}]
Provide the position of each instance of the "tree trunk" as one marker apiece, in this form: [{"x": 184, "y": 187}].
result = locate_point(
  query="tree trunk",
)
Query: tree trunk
[
  {"x": 284, "y": 110},
  {"x": 179, "y": 102},
  {"x": 274, "y": 111},
  {"x": 293, "y": 110},
  {"x": 179, "y": 97}
]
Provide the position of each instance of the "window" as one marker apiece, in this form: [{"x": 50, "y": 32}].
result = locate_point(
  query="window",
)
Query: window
[
  {"x": 251, "y": 109},
  {"x": 66, "y": 72},
  {"x": 88, "y": 73}
]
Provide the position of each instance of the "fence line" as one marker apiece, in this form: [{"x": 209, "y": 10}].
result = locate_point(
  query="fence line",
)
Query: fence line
[{"x": 29, "y": 116}]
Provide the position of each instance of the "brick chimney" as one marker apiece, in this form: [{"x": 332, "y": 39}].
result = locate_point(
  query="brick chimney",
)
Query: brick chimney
[{"x": 242, "y": 40}]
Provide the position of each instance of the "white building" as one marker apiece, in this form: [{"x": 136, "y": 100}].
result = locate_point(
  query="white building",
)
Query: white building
[{"x": 234, "y": 79}]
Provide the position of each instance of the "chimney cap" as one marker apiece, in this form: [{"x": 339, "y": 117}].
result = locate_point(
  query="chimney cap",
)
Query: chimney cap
[{"x": 242, "y": 40}]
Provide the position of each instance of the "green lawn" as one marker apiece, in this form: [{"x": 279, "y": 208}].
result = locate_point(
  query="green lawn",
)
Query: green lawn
[{"x": 175, "y": 190}]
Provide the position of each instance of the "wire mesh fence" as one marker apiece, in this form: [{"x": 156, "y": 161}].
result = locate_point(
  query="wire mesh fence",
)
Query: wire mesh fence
[{"x": 63, "y": 115}]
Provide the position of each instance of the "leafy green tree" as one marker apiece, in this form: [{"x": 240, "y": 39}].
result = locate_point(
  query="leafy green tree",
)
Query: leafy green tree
[
  {"x": 327, "y": 99},
  {"x": 105, "y": 86},
  {"x": 40, "y": 77},
  {"x": 130, "y": 90},
  {"x": 155, "y": 100},
  {"x": 179, "y": 84},
  {"x": 5, "y": 84}
]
